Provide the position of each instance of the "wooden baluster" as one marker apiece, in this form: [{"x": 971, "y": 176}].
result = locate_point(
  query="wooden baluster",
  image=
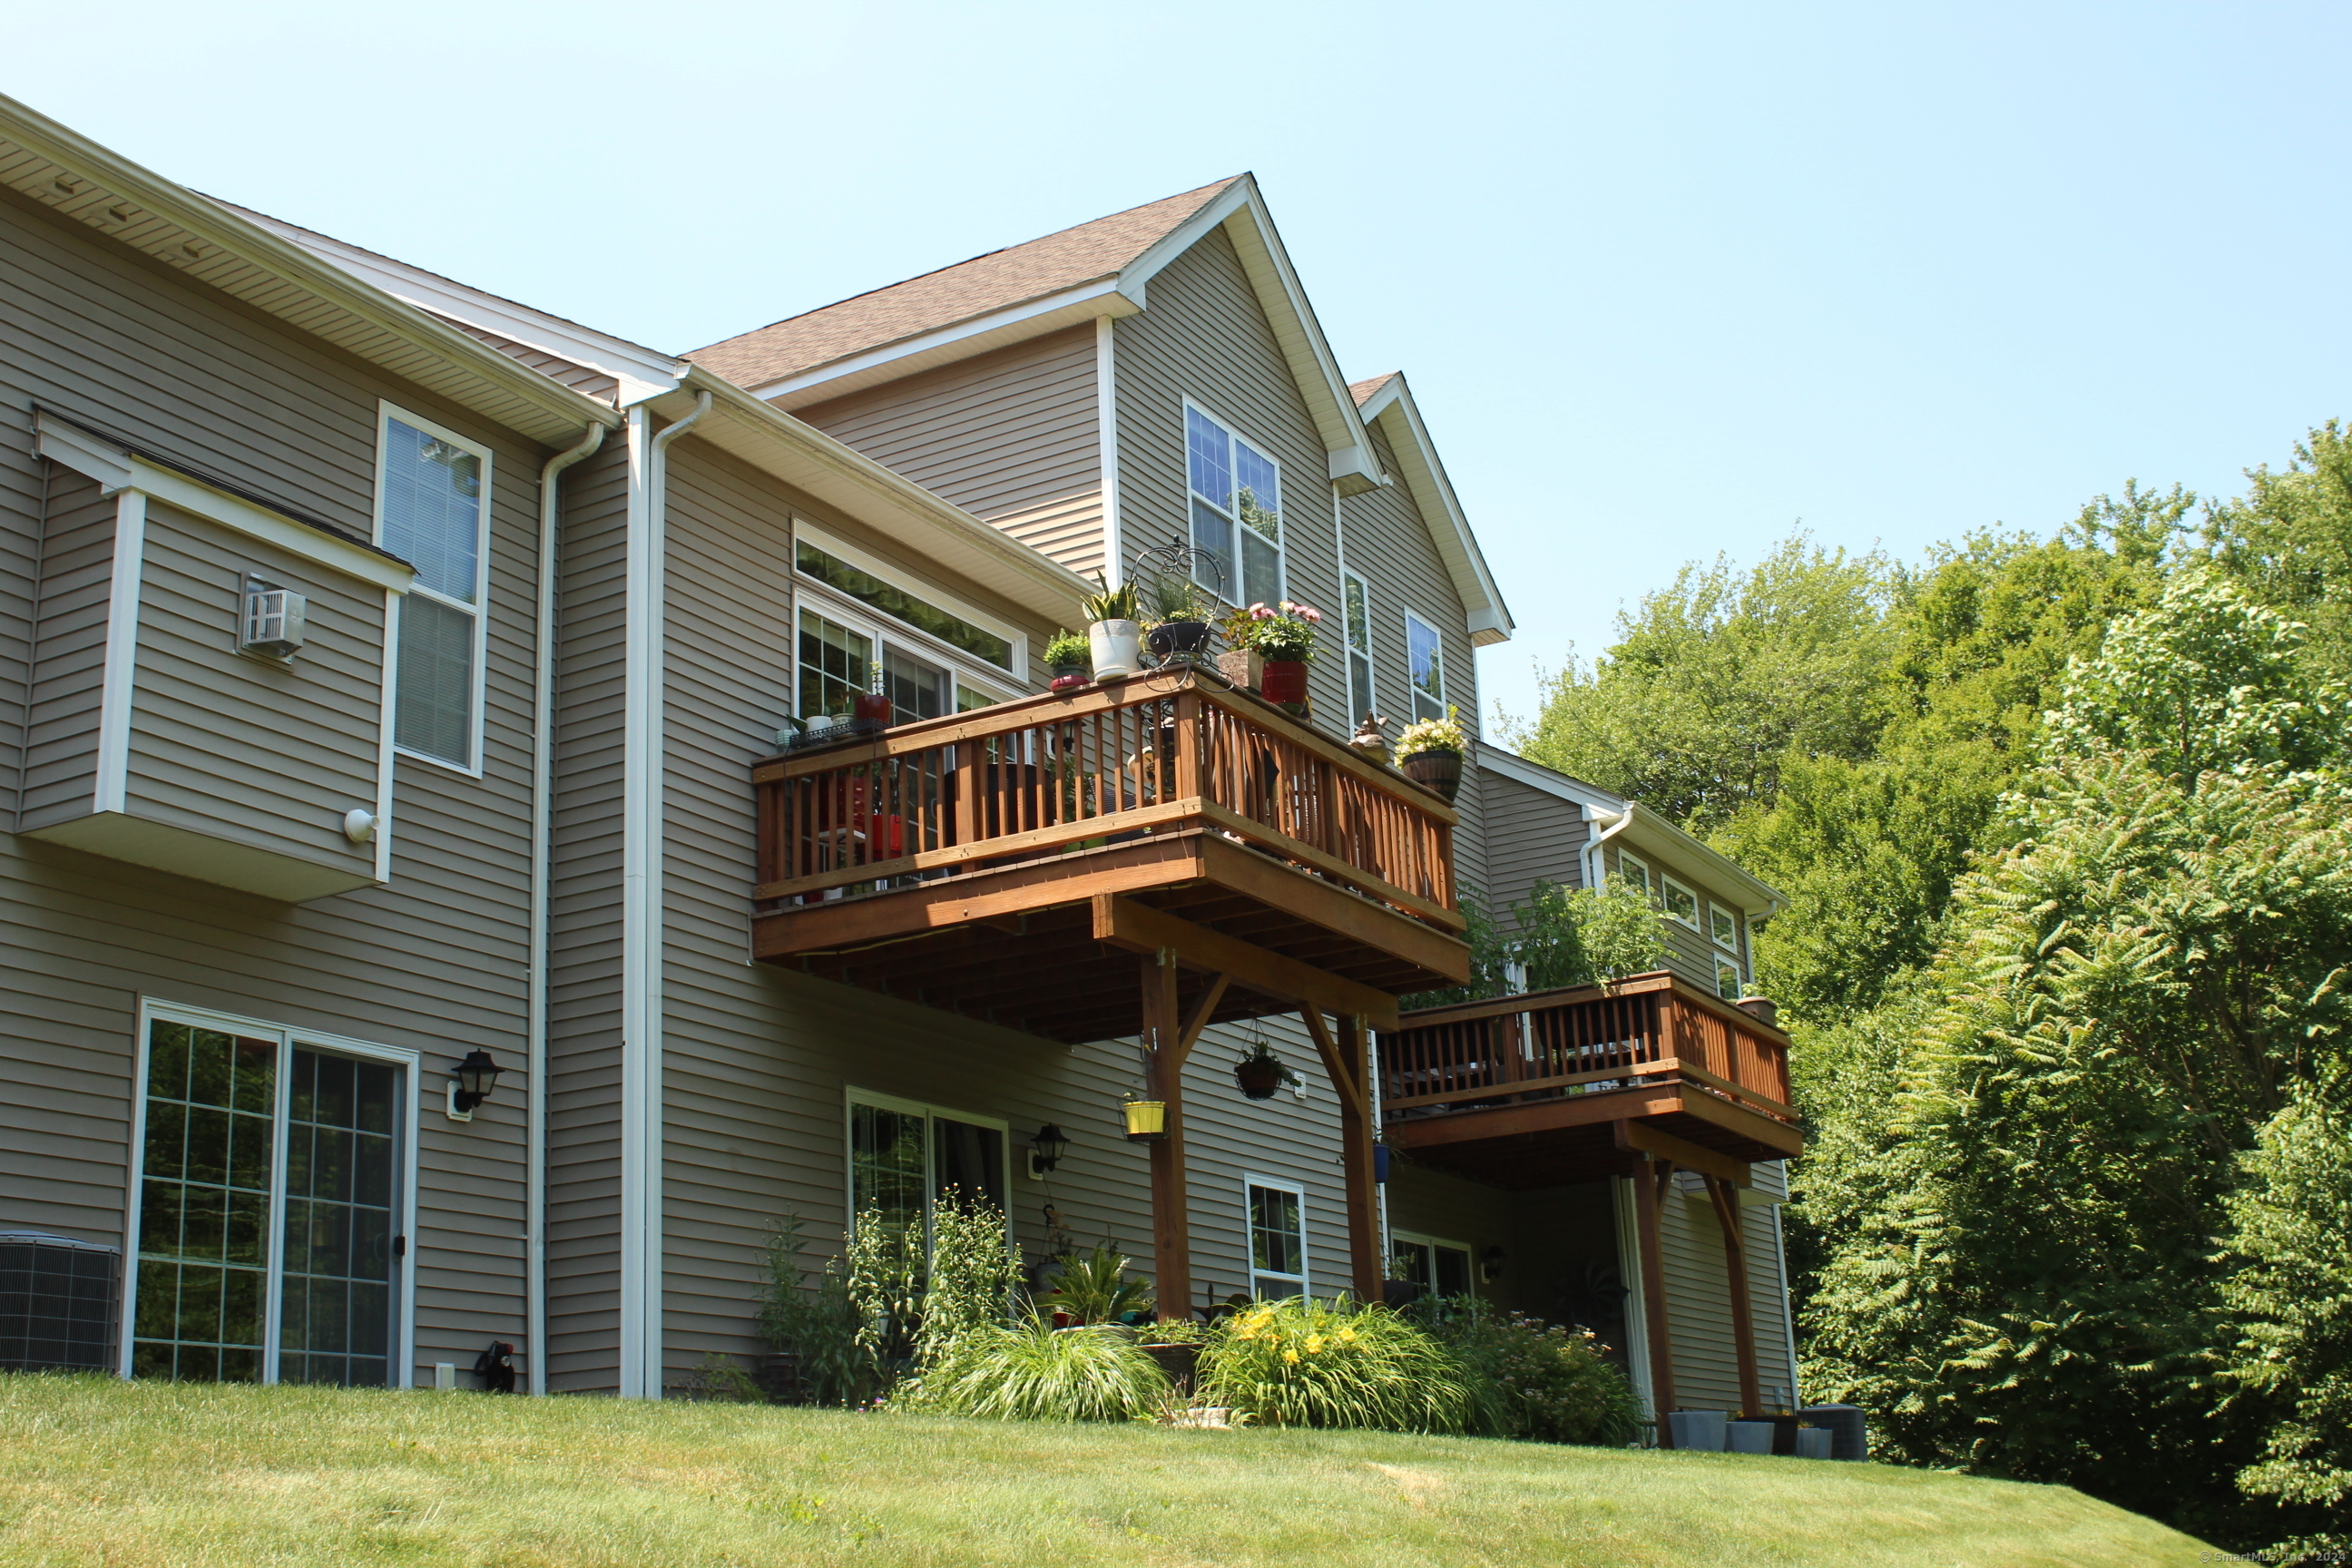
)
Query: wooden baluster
[{"x": 1188, "y": 745}]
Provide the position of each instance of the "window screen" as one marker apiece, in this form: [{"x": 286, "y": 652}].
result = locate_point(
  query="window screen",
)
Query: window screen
[
  {"x": 1277, "y": 1242},
  {"x": 1427, "y": 656},
  {"x": 1357, "y": 613}
]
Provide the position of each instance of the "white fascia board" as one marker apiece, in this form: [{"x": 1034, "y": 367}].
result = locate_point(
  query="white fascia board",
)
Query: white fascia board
[
  {"x": 642, "y": 372},
  {"x": 1670, "y": 848},
  {"x": 998, "y": 329},
  {"x": 1241, "y": 211},
  {"x": 1425, "y": 474},
  {"x": 965, "y": 548},
  {"x": 116, "y": 469},
  {"x": 214, "y": 244}
]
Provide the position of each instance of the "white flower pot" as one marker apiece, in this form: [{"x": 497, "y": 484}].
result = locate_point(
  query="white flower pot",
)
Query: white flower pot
[{"x": 1117, "y": 645}]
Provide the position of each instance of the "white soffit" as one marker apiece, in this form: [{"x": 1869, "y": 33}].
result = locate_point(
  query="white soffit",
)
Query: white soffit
[
  {"x": 1482, "y": 602},
  {"x": 81, "y": 181},
  {"x": 964, "y": 548}
]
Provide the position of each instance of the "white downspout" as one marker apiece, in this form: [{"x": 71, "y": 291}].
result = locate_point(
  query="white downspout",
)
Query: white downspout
[
  {"x": 543, "y": 820},
  {"x": 641, "y": 918},
  {"x": 1595, "y": 869}
]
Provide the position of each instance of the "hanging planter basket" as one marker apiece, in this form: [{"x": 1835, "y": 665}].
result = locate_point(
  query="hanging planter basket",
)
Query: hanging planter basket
[
  {"x": 1177, "y": 639},
  {"x": 1146, "y": 1120},
  {"x": 1437, "y": 771},
  {"x": 1258, "y": 1082}
]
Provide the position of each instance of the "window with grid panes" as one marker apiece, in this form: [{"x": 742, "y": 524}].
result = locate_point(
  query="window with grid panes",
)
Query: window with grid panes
[
  {"x": 1236, "y": 501},
  {"x": 903, "y": 1158}
]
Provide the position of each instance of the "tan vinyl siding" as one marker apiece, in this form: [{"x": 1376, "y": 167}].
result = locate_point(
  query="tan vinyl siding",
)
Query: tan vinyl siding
[
  {"x": 584, "y": 1161},
  {"x": 434, "y": 963},
  {"x": 75, "y": 556},
  {"x": 759, "y": 1059},
  {"x": 1531, "y": 836},
  {"x": 1698, "y": 1303},
  {"x": 247, "y": 749},
  {"x": 1013, "y": 436}
]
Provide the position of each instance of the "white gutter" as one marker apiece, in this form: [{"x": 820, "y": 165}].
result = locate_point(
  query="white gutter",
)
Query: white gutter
[
  {"x": 1595, "y": 869},
  {"x": 641, "y": 911},
  {"x": 542, "y": 819}
]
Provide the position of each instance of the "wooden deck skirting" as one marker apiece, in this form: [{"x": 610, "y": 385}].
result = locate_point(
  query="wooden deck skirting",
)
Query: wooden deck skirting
[{"x": 960, "y": 796}]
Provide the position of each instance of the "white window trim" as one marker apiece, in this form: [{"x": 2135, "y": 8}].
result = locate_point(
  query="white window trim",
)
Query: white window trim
[
  {"x": 387, "y": 411},
  {"x": 1249, "y": 1249},
  {"x": 403, "y": 1334},
  {"x": 1370, "y": 657},
  {"x": 1649, "y": 875},
  {"x": 1282, "y": 481},
  {"x": 1713, "y": 909},
  {"x": 1690, "y": 920},
  {"x": 1739, "y": 976},
  {"x": 843, "y": 610},
  {"x": 1420, "y": 1239},
  {"x": 906, "y": 583},
  {"x": 853, "y": 1097},
  {"x": 1444, "y": 681}
]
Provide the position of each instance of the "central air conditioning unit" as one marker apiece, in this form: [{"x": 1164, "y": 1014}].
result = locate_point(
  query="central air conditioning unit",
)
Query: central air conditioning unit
[{"x": 275, "y": 620}]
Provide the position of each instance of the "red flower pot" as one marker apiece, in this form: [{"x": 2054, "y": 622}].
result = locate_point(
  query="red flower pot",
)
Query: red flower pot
[
  {"x": 1284, "y": 680},
  {"x": 873, "y": 705}
]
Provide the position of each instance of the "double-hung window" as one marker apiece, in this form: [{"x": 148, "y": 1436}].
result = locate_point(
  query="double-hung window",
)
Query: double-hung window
[
  {"x": 1634, "y": 874},
  {"x": 905, "y": 1156},
  {"x": 1356, "y": 611},
  {"x": 272, "y": 1211},
  {"x": 1277, "y": 1233},
  {"x": 1425, "y": 661},
  {"x": 1236, "y": 497},
  {"x": 1679, "y": 902},
  {"x": 433, "y": 508},
  {"x": 869, "y": 633},
  {"x": 1723, "y": 925}
]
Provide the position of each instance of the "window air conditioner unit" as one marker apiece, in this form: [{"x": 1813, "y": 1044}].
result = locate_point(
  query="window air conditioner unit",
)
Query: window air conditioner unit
[{"x": 275, "y": 622}]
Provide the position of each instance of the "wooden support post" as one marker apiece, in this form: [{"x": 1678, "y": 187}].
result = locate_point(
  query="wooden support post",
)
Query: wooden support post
[
  {"x": 1649, "y": 1188},
  {"x": 1164, "y": 1079},
  {"x": 1735, "y": 1269},
  {"x": 1344, "y": 1061}
]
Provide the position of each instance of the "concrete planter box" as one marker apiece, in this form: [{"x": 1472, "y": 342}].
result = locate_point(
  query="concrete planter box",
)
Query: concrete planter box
[
  {"x": 1749, "y": 1436},
  {"x": 1813, "y": 1443},
  {"x": 1698, "y": 1430}
]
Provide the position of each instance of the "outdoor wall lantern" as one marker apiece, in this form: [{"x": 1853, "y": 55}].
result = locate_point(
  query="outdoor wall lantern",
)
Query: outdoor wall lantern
[
  {"x": 1046, "y": 1151},
  {"x": 1490, "y": 1264},
  {"x": 470, "y": 1082}
]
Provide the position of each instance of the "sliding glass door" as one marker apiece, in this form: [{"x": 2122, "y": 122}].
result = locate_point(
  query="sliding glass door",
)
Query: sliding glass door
[{"x": 269, "y": 1209}]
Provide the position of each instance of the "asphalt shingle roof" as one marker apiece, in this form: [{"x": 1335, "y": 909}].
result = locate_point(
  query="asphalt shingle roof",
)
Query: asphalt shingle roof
[{"x": 996, "y": 281}]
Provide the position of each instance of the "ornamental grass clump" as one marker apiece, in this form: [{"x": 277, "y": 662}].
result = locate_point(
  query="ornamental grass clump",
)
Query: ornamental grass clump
[
  {"x": 1298, "y": 1363},
  {"x": 1035, "y": 1371}
]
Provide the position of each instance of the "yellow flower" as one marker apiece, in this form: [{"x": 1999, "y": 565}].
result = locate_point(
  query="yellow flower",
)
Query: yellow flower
[
  {"x": 1348, "y": 1336},
  {"x": 1313, "y": 1343},
  {"x": 1290, "y": 1356}
]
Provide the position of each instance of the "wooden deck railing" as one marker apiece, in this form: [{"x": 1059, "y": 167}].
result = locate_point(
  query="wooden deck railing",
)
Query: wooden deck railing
[
  {"x": 1045, "y": 776},
  {"x": 1648, "y": 1028}
]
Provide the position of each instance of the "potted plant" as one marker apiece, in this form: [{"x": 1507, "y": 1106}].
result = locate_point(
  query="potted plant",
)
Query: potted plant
[
  {"x": 1430, "y": 753},
  {"x": 1261, "y": 1073},
  {"x": 1068, "y": 654},
  {"x": 1113, "y": 633},
  {"x": 1281, "y": 638},
  {"x": 1178, "y": 631}
]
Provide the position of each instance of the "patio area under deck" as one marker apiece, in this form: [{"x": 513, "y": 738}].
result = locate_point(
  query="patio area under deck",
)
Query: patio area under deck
[
  {"x": 1636, "y": 1078},
  {"x": 1138, "y": 858}
]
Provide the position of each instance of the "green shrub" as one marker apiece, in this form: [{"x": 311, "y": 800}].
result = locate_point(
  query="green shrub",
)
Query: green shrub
[
  {"x": 1096, "y": 1288},
  {"x": 1534, "y": 1380},
  {"x": 1035, "y": 1371},
  {"x": 1304, "y": 1363},
  {"x": 972, "y": 1273},
  {"x": 819, "y": 1324}
]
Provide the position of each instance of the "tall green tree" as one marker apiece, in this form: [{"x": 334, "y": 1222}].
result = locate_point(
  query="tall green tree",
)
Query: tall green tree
[
  {"x": 2021, "y": 1275},
  {"x": 2289, "y": 540}
]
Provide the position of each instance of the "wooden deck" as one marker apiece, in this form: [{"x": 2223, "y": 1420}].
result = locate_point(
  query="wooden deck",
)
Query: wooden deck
[
  {"x": 1011, "y": 863},
  {"x": 1557, "y": 1087}
]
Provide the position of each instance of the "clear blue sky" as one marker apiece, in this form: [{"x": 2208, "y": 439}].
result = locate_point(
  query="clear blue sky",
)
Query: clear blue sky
[{"x": 1667, "y": 278}]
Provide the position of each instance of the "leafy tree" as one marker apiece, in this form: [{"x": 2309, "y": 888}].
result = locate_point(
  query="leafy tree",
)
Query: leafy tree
[
  {"x": 2292, "y": 1297},
  {"x": 1715, "y": 681},
  {"x": 1556, "y": 937},
  {"x": 2289, "y": 540},
  {"x": 2021, "y": 1278}
]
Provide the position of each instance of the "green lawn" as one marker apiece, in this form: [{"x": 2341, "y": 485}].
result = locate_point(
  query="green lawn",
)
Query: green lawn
[{"x": 96, "y": 1471}]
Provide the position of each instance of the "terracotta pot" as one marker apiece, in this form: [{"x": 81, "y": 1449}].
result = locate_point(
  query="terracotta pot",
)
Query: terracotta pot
[
  {"x": 873, "y": 706},
  {"x": 1243, "y": 667},
  {"x": 1115, "y": 646},
  {"x": 1285, "y": 681},
  {"x": 1438, "y": 771},
  {"x": 1258, "y": 1082}
]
